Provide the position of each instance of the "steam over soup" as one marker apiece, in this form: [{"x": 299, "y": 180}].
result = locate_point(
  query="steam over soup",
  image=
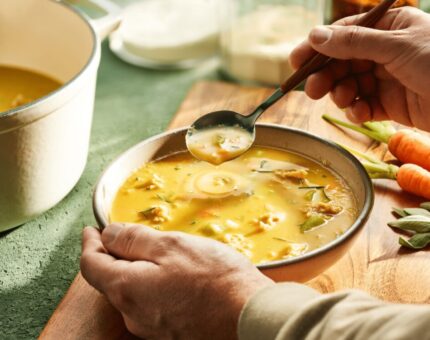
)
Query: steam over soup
[
  {"x": 19, "y": 87},
  {"x": 268, "y": 204}
]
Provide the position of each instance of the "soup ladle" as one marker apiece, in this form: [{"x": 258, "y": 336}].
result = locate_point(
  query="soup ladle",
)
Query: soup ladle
[{"x": 226, "y": 118}]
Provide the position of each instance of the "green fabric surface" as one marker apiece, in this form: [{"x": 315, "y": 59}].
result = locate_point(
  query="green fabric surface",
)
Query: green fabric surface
[{"x": 39, "y": 260}]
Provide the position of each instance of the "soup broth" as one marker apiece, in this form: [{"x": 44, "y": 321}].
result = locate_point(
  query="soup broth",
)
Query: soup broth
[
  {"x": 268, "y": 204},
  {"x": 19, "y": 87}
]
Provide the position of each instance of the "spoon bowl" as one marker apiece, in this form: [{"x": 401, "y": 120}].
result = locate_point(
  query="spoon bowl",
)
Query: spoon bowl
[
  {"x": 220, "y": 136},
  {"x": 224, "y": 118}
]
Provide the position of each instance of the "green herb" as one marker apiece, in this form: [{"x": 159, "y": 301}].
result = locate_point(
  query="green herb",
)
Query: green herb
[
  {"x": 417, "y": 211},
  {"x": 219, "y": 139},
  {"x": 261, "y": 168},
  {"x": 425, "y": 205},
  {"x": 147, "y": 212},
  {"x": 280, "y": 239},
  {"x": 193, "y": 222},
  {"x": 312, "y": 222},
  {"x": 163, "y": 198},
  {"x": 313, "y": 187},
  {"x": 399, "y": 212},
  {"x": 309, "y": 196},
  {"x": 417, "y": 223},
  {"x": 418, "y": 241},
  {"x": 325, "y": 198},
  {"x": 177, "y": 168},
  {"x": 263, "y": 171}
]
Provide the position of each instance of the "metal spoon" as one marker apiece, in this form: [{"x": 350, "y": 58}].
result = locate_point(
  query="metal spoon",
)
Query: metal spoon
[{"x": 228, "y": 118}]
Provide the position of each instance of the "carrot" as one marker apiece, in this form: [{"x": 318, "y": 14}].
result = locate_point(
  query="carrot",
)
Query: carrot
[
  {"x": 410, "y": 177},
  {"x": 414, "y": 179},
  {"x": 408, "y": 146}
]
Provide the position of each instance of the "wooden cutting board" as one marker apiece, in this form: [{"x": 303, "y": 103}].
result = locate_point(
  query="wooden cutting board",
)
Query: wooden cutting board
[{"x": 374, "y": 264}]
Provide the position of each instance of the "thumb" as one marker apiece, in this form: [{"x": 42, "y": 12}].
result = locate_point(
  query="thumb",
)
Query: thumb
[
  {"x": 131, "y": 242},
  {"x": 356, "y": 42}
]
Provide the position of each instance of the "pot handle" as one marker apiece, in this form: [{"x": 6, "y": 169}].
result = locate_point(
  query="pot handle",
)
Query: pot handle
[{"x": 105, "y": 24}]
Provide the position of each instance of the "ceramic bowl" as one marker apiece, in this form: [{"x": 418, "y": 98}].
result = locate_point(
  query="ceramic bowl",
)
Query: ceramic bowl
[{"x": 301, "y": 268}]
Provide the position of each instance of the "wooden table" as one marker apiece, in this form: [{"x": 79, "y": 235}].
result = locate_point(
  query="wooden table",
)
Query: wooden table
[{"x": 375, "y": 263}]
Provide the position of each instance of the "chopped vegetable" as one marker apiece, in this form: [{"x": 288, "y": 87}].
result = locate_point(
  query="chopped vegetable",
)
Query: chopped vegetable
[
  {"x": 211, "y": 229},
  {"x": 313, "y": 187},
  {"x": 291, "y": 174},
  {"x": 312, "y": 222},
  {"x": 280, "y": 239},
  {"x": 163, "y": 198},
  {"x": 147, "y": 212},
  {"x": 309, "y": 196},
  {"x": 326, "y": 208}
]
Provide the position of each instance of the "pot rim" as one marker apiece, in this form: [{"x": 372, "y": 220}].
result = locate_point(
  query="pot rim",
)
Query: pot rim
[
  {"x": 62, "y": 88},
  {"x": 358, "y": 224}
]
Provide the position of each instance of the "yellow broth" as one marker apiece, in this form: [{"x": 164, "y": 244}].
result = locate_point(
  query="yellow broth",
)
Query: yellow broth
[
  {"x": 268, "y": 204},
  {"x": 19, "y": 87}
]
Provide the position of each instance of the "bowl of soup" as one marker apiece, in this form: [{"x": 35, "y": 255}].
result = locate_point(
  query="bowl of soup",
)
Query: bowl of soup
[
  {"x": 48, "y": 66},
  {"x": 293, "y": 203}
]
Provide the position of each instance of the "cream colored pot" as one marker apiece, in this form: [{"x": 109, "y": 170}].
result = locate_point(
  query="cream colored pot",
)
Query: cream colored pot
[{"x": 44, "y": 145}]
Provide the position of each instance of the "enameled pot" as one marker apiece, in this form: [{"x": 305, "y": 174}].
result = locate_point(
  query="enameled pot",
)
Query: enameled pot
[
  {"x": 44, "y": 144},
  {"x": 301, "y": 268}
]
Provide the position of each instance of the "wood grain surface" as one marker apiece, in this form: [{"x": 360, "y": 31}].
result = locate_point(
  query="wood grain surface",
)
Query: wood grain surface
[{"x": 375, "y": 263}]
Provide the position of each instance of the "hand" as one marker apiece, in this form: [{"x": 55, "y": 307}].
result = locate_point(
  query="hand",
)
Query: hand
[
  {"x": 378, "y": 74},
  {"x": 169, "y": 284}
]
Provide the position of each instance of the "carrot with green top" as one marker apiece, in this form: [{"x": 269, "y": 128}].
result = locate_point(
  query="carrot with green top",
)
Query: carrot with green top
[
  {"x": 410, "y": 177},
  {"x": 408, "y": 146}
]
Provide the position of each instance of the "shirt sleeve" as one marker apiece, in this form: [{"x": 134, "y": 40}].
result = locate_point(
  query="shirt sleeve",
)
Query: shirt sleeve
[{"x": 294, "y": 311}]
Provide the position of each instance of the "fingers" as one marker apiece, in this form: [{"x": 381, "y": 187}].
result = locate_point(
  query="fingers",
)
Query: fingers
[
  {"x": 395, "y": 101},
  {"x": 302, "y": 53},
  {"x": 319, "y": 84},
  {"x": 355, "y": 42},
  {"x": 385, "y": 23},
  {"x": 97, "y": 266},
  {"x": 135, "y": 242},
  {"x": 363, "y": 110},
  {"x": 345, "y": 92}
]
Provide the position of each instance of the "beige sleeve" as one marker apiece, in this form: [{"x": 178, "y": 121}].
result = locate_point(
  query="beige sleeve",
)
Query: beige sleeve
[{"x": 293, "y": 311}]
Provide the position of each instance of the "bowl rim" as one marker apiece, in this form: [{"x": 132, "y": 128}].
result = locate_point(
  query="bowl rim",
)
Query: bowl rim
[{"x": 350, "y": 232}]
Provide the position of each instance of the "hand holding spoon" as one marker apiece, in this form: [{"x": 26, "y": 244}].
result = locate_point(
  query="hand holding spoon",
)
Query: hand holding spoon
[{"x": 223, "y": 135}]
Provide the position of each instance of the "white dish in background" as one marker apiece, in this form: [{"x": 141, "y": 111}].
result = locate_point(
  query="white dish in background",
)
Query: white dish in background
[{"x": 167, "y": 33}]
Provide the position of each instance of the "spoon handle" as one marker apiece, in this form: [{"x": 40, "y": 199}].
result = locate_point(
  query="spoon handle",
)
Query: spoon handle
[
  {"x": 320, "y": 60},
  {"x": 317, "y": 62}
]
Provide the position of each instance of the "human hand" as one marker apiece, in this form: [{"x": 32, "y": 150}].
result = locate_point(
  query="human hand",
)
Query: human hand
[
  {"x": 169, "y": 284},
  {"x": 378, "y": 74}
]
